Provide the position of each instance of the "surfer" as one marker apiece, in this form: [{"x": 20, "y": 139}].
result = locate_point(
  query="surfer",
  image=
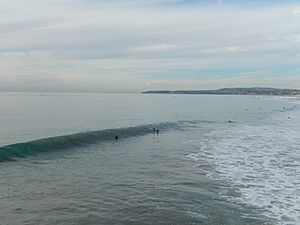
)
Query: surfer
[
  {"x": 154, "y": 130},
  {"x": 116, "y": 137},
  {"x": 157, "y": 131}
]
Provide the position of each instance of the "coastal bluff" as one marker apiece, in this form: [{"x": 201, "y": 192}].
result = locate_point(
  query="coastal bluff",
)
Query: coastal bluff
[{"x": 233, "y": 91}]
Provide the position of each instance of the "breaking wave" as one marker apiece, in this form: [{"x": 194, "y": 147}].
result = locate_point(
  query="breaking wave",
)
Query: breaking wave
[{"x": 10, "y": 152}]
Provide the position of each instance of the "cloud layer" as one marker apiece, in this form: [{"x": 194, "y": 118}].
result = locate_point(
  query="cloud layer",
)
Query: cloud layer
[{"x": 125, "y": 46}]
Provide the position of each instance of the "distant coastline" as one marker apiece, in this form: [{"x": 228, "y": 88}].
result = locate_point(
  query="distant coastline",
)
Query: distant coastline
[{"x": 233, "y": 91}]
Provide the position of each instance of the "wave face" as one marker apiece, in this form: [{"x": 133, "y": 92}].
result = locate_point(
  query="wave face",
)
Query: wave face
[{"x": 9, "y": 152}]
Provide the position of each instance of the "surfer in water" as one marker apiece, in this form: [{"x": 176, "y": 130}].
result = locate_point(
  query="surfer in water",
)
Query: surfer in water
[
  {"x": 116, "y": 137},
  {"x": 157, "y": 131}
]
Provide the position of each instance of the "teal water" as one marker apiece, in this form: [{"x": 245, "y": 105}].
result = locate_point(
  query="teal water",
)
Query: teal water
[{"x": 60, "y": 162}]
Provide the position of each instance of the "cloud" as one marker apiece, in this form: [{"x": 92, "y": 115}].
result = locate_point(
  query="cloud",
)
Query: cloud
[
  {"x": 125, "y": 45},
  {"x": 220, "y": 2}
]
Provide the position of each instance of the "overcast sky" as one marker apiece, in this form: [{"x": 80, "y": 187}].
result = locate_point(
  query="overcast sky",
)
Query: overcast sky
[{"x": 137, "y": 45}]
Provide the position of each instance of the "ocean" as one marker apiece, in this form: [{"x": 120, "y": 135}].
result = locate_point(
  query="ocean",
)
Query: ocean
[{"x": 61, "y": 163}]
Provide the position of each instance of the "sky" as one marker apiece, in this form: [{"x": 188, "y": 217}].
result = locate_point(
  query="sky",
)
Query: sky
[{"x": 139, "y": 45}]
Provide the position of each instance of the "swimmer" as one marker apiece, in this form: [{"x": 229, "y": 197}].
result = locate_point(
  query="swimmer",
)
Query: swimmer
[{"x": 116, "y": 137}]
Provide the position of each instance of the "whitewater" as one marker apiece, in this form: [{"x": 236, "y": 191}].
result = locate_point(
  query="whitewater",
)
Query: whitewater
[{"x": 262, "y": 163}]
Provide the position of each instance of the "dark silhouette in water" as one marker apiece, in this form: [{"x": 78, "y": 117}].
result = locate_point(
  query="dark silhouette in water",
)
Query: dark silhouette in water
[
  {"x": 229, "y": 121},
  {"x": 154, "y": 130},
  {"x": 116, "y": 137},
  {"x": 157, "y": 131}
]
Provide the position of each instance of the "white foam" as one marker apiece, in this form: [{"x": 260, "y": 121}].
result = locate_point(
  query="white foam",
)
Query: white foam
[{"x": 263, "y": 162}]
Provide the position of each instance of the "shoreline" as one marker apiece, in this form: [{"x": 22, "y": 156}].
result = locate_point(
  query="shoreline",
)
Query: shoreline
[
  {"x": 233, "y": 91},
  {"x": 287, "y": 96}
]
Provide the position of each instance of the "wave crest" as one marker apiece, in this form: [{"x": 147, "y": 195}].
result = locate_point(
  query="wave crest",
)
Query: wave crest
[{"x": 9, "y": 152}]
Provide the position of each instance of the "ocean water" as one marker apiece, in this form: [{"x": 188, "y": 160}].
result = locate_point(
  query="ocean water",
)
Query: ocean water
[{"x": 61, "y": 164}]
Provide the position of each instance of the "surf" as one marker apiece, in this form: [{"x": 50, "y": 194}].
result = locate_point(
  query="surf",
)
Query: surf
[{"x": 23, "y": 149}]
